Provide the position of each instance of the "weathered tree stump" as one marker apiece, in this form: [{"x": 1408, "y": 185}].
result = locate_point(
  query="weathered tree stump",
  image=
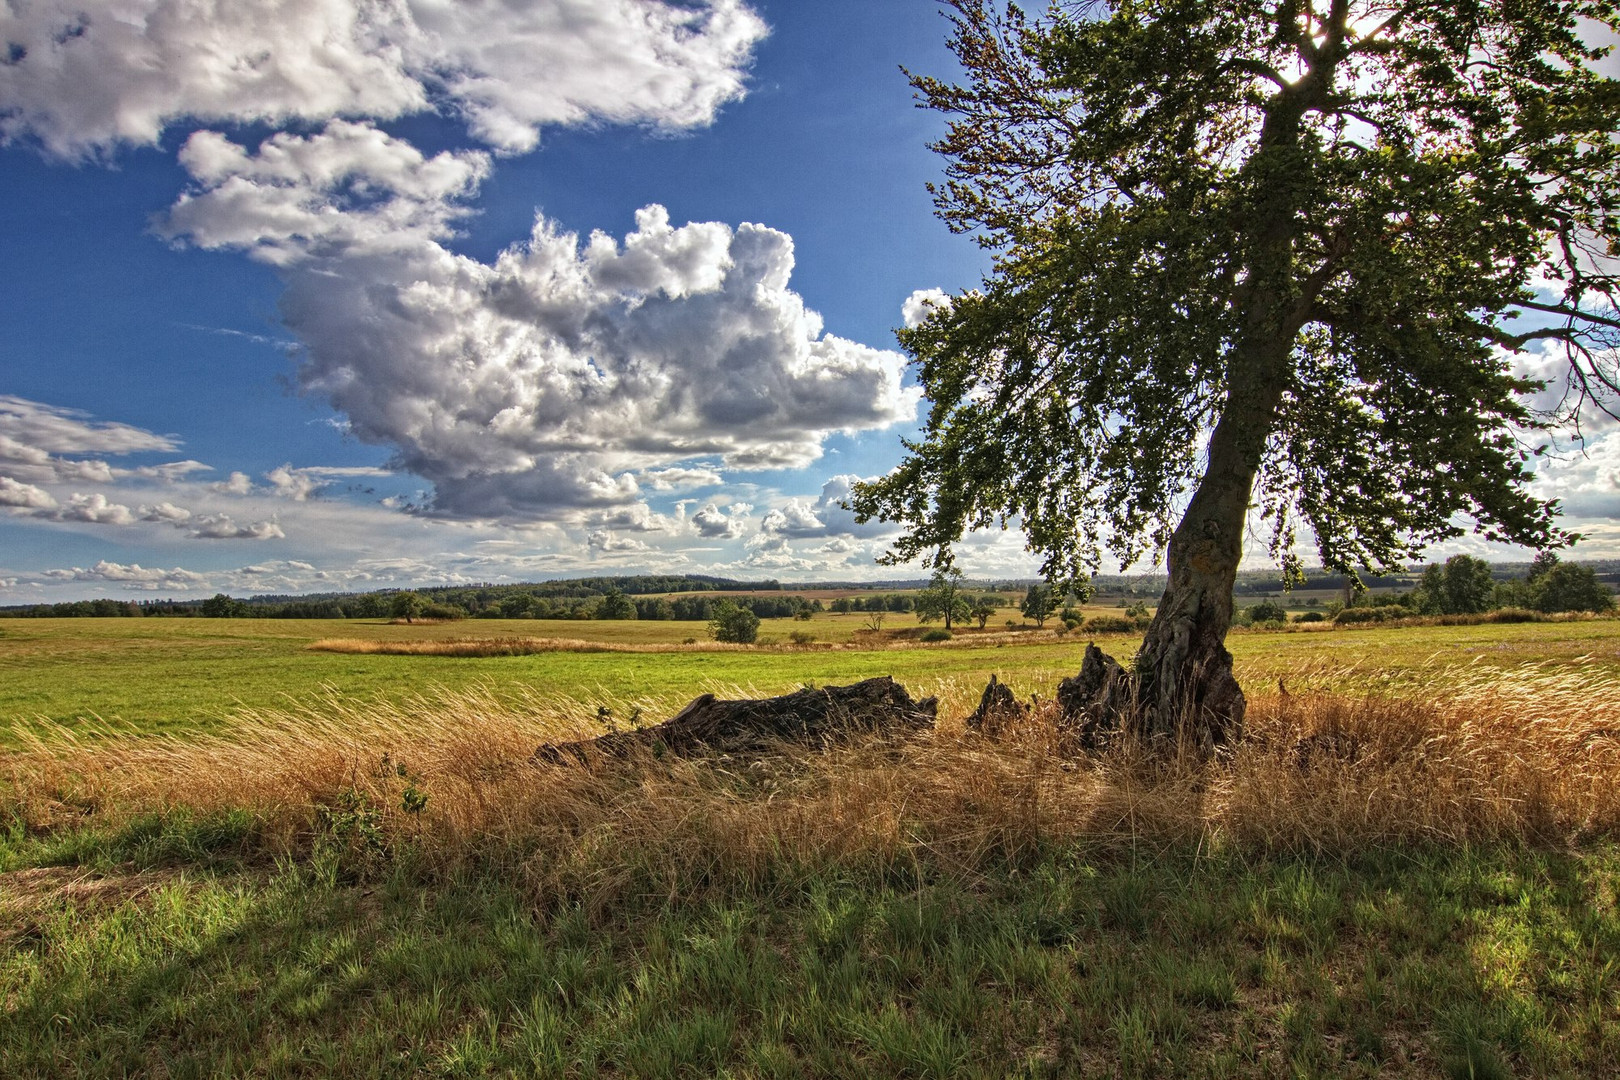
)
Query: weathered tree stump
[
  {"x": 810, "y": 717},
  {"x": 1104, "y": 699},
  {"x": 1094, "y": 704},
  {"x": 998, "y": 709}
]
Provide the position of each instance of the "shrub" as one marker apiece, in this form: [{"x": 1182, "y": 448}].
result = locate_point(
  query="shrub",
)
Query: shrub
[
  {"x": 1568, "y": 587},
  {"x": 615, "y": 605},
  {"x": 1267, "y": 611},
  {"x": 937, "y": 634},
  {"x": 801, "y": 637},
  {"x": 1111, "y": 624},
  {"x": 1311, "y": 616}
]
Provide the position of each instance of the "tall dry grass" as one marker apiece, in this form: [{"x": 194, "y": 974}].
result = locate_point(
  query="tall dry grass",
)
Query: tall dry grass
[{"x": 1532, "y": 754}]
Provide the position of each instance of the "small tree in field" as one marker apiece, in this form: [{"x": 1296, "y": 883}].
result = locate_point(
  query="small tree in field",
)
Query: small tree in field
[
  {"x": 1037, "y": 604},
  {"x": 407, "y": 605},
  {"x": 221, "y": 606},
  {"x": 733, "y": 623},
  {"x": 1259, "y": 252},
  {"x": 943, "y": 599},
  {"x": 1567, "y": 587}
]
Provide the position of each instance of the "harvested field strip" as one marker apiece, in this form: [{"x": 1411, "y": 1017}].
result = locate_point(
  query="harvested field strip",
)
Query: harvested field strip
[{"x": 513, "y": 646}]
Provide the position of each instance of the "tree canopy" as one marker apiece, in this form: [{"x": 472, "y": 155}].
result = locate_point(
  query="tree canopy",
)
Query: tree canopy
[
  {"x": 1323, "y": 225},
  {"x": 1258, "y": 252}
]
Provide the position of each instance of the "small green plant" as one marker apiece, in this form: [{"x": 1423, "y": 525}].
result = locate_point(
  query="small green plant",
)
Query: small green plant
[
  {"x": 1111, "y": 624},
  {"x": 801, "y": 637},
  {"x": 351, "y": 829},
  {"x": 413, "y": 800},
  {"x": 937, "y": 634}
]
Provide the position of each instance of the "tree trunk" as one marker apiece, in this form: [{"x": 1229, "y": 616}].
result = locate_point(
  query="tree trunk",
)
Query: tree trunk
[
  {"x": 998, "y": 709},
  {"x": 1181, "y": 688},
  {"x": 1185, "y": 688}
]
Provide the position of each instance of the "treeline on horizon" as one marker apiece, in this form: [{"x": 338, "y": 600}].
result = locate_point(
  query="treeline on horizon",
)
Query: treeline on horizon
[
  {"x": 648, "y": 596},
  {"x": 564, "y": 596}
]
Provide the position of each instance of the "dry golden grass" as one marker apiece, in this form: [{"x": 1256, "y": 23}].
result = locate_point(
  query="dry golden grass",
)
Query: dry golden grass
[{"x": 1530, "y": 755}]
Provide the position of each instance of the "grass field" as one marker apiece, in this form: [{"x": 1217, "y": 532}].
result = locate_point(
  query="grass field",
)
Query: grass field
[
  {"x": 368, "y": 880},
  {"x": 194, "y": 674}
]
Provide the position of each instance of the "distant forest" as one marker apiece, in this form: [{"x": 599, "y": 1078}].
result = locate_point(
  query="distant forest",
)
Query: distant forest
[{"x": 682, "y": 597}]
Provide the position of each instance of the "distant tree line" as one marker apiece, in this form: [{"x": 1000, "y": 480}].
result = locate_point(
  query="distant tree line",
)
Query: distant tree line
[
  {"x": 577, "y": 598},
  {"x": 1464, "y": 585}
]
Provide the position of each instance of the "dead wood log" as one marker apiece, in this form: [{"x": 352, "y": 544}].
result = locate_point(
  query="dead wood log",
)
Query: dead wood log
[{"x": 814, "y": 716}]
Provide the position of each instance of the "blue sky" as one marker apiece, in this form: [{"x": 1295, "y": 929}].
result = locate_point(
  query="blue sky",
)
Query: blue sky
[{"x": 298, "y": 300}]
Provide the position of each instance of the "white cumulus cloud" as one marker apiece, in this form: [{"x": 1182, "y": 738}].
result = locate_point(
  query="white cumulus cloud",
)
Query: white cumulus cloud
[
  {"x": 923, "y": 303},
  {"x": 238, "y": 483},
  {"x": 95, "y": 508},
  {"x": 715, "y": 524},
  {"x": 132, "y": 576},
  {"x": 535, "y": 386},
  {"x": 221, "y": 527},
  {"x": 25, "y": 496},
  {"x": 166, "y": 512},
  {"x": 825, "y": 516},
  {"x": 347, "y": 188},
  {"x": 605, "y": 542},
  {"x": 84, "y": 76}
]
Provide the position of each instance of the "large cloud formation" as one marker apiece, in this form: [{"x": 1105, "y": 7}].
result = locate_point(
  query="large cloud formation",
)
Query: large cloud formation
[
  {"x": 541, "y": 384},
  {"x": 84, "y": 76}
]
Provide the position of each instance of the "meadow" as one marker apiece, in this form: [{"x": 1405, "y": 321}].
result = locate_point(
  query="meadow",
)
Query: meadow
[
  {"x": 225, "y": 852},
  {"x": 196, "y": 674}
]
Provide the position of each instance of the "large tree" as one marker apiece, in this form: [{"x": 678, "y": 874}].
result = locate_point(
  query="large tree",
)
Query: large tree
[{"x": 1267, "y": 254}]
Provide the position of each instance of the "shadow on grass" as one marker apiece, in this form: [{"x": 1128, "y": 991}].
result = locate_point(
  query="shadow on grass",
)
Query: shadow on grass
[{"x": 1490, "y": 962}]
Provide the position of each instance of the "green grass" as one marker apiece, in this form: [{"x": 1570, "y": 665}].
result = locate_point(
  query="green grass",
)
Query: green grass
[
  {"x": 184, "y": 945},
  {"x": 193, "y": 674},
  {"x": 1419, "y": 963}
]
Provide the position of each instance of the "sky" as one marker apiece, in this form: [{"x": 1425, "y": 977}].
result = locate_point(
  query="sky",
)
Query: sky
[{"x": 324, "y": 296}]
